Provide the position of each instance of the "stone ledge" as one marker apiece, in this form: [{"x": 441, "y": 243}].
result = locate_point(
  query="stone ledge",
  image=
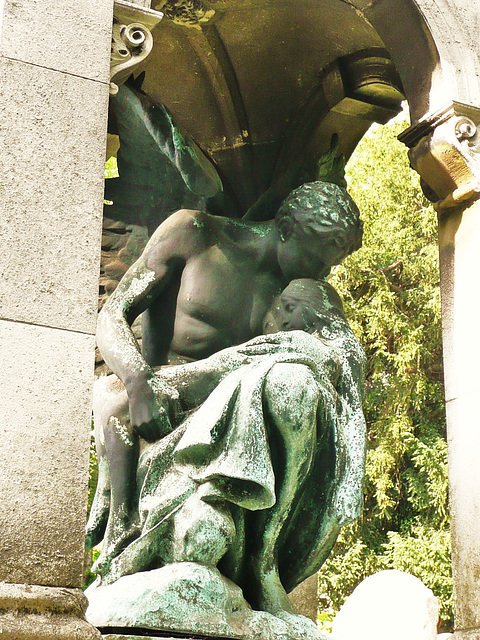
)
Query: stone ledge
[
  {"x": 116, "y": 636},
  {"x": 122, "y": 636},
  {"x": 131, "y": 633},
  {"x": 32, "y": 612}
]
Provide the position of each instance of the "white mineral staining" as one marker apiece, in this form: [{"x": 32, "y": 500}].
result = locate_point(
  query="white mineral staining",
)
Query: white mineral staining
[{"x": 122, "y": 431}]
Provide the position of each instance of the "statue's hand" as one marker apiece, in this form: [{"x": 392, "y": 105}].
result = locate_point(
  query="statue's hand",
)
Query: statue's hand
[{"x": 153, "y": 404}]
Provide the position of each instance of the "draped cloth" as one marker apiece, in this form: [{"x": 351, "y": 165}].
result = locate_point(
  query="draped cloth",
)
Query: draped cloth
[{"x": 231, "y": 450}]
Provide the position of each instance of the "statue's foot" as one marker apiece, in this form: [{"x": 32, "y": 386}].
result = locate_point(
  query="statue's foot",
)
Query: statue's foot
[{"x": 274, "y": 600}]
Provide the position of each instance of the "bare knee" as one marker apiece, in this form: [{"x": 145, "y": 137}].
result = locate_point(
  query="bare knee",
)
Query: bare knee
[{"x": 110, "y": 402}]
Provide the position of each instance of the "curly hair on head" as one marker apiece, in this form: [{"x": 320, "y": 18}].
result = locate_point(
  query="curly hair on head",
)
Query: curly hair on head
[{"x": 319, "y": 205}]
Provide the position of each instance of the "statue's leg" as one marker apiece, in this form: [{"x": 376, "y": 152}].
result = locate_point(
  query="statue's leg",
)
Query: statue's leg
[
  {"x": 98, "y": 516},
  {"x": 292, "y": 395},
  {"x": 103, "y": 393},
  {"x": 203, "y": 529},
  {"x": 122, "y": 455},
  {"x": 117, "y": 453}
]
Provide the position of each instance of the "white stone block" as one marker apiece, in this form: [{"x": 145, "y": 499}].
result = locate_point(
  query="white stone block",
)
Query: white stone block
[
  {"x": 464, "y": 479},
  {"x": 459, "y": 239},
  {"x": 388, "y": 605}
]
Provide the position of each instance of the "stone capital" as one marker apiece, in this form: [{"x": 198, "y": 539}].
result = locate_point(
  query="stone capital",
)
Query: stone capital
[
  {"x": 445, "y": 150},
  {"x": 132, "y": 40}
]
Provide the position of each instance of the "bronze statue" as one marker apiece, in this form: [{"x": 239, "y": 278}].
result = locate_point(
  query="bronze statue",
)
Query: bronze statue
[{"x": 246, "y": 459}]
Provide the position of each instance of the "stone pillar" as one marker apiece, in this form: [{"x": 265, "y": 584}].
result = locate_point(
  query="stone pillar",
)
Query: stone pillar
[
  {"x": 445, "y": 150},
  {"x": 54, "y": 69}
]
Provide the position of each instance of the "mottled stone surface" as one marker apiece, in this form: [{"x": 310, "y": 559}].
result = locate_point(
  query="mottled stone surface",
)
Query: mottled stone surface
[
  {"x": 389, "y": 604},
  {"x": 54, "y": 64},
  {"x": 52, "y": 128},
  {"x": 61, "y": 36},
  {"x": 45, "y": 379},
  {"x": 30, "y": 612}
]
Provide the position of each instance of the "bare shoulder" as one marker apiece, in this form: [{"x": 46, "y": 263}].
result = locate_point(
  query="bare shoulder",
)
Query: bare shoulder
[
  {"x": 182, "y": 221},
  {"x": 186, "y": 218},
  {"x": 182, "y": 234}
]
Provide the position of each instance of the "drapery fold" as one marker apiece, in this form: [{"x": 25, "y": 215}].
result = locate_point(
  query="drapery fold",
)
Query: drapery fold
[{"x": 229, "y": 450}]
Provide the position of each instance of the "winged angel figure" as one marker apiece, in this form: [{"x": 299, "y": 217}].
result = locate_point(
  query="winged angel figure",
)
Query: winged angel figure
[{"x": 231, "y": 443}]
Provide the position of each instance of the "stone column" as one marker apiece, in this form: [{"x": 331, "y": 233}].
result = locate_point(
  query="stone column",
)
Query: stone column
[
  {"x": 54, "y": 69},
  {"x": 445, "y": 150}
]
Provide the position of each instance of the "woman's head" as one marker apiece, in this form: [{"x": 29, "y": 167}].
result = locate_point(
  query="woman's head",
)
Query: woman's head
[{"x": 306, "y": 304}]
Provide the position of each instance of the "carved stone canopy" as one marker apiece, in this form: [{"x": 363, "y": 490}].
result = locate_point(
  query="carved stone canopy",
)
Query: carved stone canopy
[{"x": 259, "y": 85}]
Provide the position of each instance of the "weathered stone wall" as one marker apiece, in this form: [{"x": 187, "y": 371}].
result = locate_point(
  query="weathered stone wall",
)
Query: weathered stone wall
[{"x": 54, "y": 65}]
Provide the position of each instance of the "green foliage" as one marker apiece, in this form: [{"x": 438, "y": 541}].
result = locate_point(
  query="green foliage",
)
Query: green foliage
[
  {"x": 88, "y": 576},
  {"x": 391, "y": 294},
  {"x": 111, "y": 170},
  {"x": 93, "y": 472}
]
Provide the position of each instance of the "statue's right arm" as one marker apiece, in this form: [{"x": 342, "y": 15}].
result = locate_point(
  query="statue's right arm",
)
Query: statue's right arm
[{"x": 161, "y": 262}]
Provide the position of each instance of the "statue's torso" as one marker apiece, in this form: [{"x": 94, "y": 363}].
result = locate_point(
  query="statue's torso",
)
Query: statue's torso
[{"x": 217, "y": 300}]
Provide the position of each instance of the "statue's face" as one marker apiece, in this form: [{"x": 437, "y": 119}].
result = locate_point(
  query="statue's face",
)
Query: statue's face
[
  {"x": 291, "y": 313},
  {"x": 311, "y": 254},
  {"x": 288, "y": 313}
]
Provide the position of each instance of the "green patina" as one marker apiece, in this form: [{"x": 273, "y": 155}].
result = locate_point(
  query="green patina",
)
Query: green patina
[{"x": 230, "y": 476}]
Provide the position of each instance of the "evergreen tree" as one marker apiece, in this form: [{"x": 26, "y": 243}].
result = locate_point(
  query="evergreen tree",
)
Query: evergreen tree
[{"x": 391, "y": 294}]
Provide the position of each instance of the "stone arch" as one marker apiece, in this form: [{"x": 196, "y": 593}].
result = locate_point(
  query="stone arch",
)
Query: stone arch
[
  {"x": 439, "y": 66},
  {"x": 432, "y": 46}
]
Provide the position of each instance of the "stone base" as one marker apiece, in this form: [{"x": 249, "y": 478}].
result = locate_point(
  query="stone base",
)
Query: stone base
[
  {"x": 133, "y": 634},
  {"x": 116, "y": 636},
  {"x": 31, "y": 612},
  {"x": 186, "y": 599}
]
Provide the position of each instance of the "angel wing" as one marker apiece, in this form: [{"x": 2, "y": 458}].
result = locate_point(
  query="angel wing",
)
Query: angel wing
[{"x": 160, "y": 169}]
